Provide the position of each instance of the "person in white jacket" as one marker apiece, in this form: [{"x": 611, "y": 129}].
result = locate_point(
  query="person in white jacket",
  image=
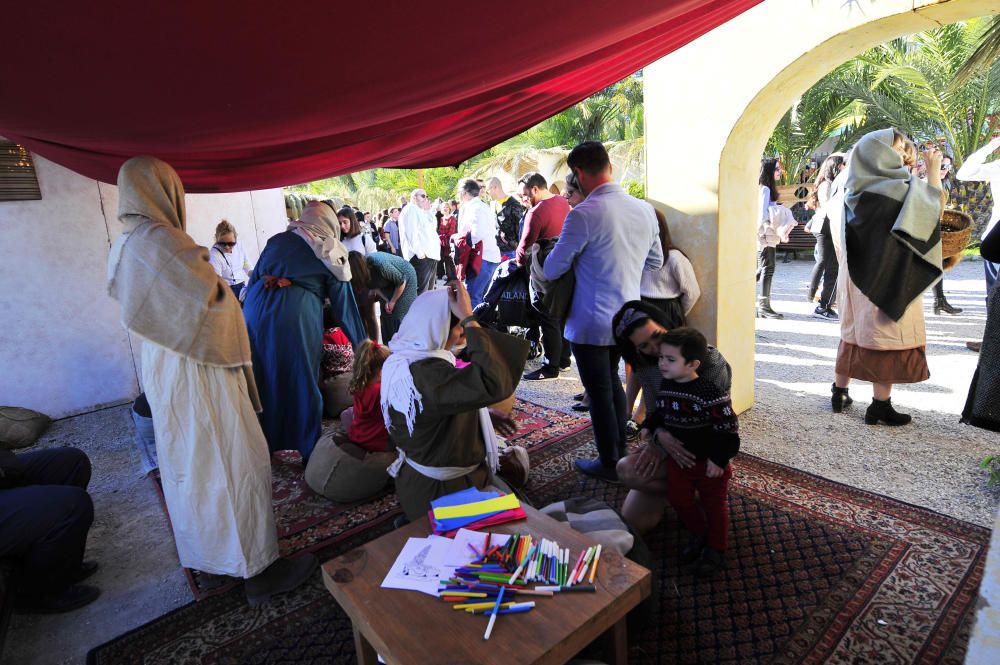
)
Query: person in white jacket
[
  {"x": 976, "y": 168},
  {"x": 772, "y": 230},
  {"x": 418, "y": 239}
]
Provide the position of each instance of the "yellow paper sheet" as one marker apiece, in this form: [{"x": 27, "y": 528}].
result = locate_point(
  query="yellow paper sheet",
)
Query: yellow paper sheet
[{"x": 506, "y": 502}]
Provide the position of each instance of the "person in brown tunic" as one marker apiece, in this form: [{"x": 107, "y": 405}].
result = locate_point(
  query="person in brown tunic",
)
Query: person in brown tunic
[{"x": 436, "y": 413}]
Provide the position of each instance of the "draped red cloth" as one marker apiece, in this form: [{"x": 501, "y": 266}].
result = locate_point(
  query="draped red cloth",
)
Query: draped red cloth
[{"x": 253, "y": 94}]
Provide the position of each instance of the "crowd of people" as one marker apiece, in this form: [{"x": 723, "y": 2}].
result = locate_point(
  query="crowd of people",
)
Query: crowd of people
[{"x": 376, "y": 321}]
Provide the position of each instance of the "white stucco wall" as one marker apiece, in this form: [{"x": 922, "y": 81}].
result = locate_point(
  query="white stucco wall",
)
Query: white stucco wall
[
  {"x": 62, "y": 348},
  {"x": 710, "y": 108}
]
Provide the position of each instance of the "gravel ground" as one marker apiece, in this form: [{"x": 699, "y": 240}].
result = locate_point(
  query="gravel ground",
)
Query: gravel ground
[{"x": 931, "y": 463}]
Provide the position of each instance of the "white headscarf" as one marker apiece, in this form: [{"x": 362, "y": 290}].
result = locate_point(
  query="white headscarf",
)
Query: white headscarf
[
  {"x": 318, "y": 226},
  {"x": 424, "y": 334}
]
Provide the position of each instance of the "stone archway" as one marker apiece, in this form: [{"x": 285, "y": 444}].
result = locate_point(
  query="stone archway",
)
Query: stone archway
[{"x": 710, "y": 108}]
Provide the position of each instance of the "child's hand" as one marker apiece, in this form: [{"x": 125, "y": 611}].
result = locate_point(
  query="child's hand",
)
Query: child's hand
[{"x": 713, "y": 470}]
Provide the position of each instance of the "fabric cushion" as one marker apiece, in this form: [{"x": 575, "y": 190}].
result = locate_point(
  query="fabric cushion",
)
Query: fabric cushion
[
  {"x": 21, "y": 427},
  {"x": 596, "y": 519}
]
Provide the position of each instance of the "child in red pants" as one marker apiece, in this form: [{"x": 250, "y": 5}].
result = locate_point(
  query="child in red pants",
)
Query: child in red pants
[{"x": 701, "y": 417}]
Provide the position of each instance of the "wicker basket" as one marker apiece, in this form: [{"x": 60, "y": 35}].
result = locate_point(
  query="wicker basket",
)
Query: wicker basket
[{"x": 956, "y": 229}]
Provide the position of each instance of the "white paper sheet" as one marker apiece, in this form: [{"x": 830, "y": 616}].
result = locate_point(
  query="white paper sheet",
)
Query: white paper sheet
[
  {"x": 419, "y": 565},
  {"x": 459, "y": 553}
]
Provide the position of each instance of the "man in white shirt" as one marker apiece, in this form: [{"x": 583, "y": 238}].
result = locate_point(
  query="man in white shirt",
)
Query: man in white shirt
[
  {"x": 476, "y": 218},
  {"x": 607, "y": 241},
  {"x": 418, "y": 239},
  {"x": 978, "y": 169}
]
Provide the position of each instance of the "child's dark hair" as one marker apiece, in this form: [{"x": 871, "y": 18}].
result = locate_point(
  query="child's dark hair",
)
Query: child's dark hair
[
  {"x": 368, "y": 361},
  {"x": 692, "y": 343}
]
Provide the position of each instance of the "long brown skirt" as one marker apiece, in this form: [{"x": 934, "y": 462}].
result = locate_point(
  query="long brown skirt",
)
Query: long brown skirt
[{"x": 904, "y": 366}]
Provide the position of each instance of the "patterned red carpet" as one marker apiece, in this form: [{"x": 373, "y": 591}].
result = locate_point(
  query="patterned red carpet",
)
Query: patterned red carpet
[
  {"x": 309, "y": 522},
  {"x": 817, "y": 572}
]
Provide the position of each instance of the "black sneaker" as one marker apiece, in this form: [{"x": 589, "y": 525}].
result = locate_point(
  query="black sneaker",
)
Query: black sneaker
[
  {"x": 711, "y": 562},
  {"x": 541, "y": 374},
  {"x": 692, "y": 551},
  {"x": 564, "y": 367},
  {"x": 827, "y": 314}
]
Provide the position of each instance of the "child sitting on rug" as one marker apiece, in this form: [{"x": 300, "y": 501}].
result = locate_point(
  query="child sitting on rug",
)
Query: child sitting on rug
[
  {"x": 701, "y": 416},
  {"x": 364, "y": 422},
  {"x": 353, "y": 468}
]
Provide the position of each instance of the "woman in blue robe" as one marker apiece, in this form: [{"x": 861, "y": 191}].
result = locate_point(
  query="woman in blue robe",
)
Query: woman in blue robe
[{"x": 297, "y": 271}]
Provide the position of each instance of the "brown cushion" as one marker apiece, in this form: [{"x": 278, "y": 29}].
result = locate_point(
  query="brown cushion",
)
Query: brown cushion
[{"x": 21, "y": 427}]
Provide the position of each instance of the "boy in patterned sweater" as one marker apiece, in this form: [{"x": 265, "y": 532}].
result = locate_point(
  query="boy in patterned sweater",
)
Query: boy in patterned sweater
[{"x": 701, "y": 417}]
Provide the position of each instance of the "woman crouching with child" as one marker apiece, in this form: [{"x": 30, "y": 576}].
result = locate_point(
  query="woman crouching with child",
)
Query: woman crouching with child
[
  {"x": 695, "y": 411},
  {"x": 355, "y": 469}
]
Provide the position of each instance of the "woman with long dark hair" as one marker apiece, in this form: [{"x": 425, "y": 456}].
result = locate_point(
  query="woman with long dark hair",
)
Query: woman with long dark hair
[
  {"x": 635, "y": 328},
  {"x": 674, "y": 290},
  {"x": 827, "y": 266},
  {"x": 768, "y": 237}
]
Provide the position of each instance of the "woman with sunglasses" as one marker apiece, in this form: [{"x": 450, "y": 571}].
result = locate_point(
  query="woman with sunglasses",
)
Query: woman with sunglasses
[
  {"x": 635, "y": 328},
  {"x": 229, "y": 259}
]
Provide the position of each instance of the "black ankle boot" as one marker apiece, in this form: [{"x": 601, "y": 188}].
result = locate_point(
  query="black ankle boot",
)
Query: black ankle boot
[
  {"x": 764, "y": 310},
  {"x": 840, "y": 398},
  {"x": 942, "y": 305},
  {"x": 879, "y": 411}
]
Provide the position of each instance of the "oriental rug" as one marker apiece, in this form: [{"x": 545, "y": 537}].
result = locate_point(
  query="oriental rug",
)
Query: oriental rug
[
  {"x": 308, "y": 522},
  {"x": 817, "y": 572}
]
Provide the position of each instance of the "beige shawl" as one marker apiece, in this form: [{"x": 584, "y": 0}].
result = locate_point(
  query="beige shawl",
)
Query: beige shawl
[
  {"x": 319, "y": 226},
  {"x": 168, "y": 291}
]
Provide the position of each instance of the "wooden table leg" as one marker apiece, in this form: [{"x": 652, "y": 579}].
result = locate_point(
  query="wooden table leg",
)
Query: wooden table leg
[
  {"x": 363, "y": 648},
  {"x": 616, "y": 642}
]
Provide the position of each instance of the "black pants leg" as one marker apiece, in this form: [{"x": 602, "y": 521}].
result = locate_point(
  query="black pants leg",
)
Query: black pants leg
[
  {"x": 555, "y": 346},
  {"x": 831, "y": 268},
  {"x": 598, "y": 367},
  {"x": 44, "y": 525},
  {"x": 817, "y": 272},
  {"x": 426, "y": 271},
  {"x": 765, "y": 270}
]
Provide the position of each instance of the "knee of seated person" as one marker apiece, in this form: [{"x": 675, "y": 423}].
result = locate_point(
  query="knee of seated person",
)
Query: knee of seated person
[
  {"x": 69, "y": 503},
  {"x": 81, "y": 464},
  {"x": 626, "y": 470}
]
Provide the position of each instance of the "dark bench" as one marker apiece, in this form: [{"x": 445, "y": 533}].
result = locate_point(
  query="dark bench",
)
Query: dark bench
[{"x": 794, "y": 197}]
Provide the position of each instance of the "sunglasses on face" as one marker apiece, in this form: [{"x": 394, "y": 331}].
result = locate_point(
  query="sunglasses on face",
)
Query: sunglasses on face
[{"x": 226, "y": 244}]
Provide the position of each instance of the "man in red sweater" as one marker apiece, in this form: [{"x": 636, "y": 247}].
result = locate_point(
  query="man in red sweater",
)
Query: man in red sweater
[
  {"x": 544, "y": 220},
  {"x": 545, "y": 217}
]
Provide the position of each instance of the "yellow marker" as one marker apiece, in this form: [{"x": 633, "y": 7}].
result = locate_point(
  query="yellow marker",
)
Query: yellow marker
[
  {"x": 472, "y": 610},
  {"x": 462, "y": 594},
  {"x": 476, "y": 606},
  {"x": 597, "y": 560}
]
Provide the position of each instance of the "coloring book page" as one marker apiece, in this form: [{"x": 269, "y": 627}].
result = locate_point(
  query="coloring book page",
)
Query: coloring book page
[{"x": 419, "y": 565}]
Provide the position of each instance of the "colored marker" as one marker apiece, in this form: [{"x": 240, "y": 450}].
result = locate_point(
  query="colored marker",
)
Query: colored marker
[
  {"x": 597, "y": 560},
  {"x": 493, "y": 617},
  {"x": 521, "y": 567},
  {"x": 585, "y": 588}
]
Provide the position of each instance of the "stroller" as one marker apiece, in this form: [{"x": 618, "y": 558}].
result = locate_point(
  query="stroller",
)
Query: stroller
[{"x": 507, "y": 305}]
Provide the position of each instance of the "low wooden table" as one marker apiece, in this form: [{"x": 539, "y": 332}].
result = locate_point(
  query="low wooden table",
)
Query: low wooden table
[{"x": 407, "y": 627}]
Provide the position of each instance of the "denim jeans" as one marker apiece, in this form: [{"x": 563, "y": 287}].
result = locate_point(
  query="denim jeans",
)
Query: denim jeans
[
  {"x": 478, "y": 285},
  {"x": 598, "y": 366}
]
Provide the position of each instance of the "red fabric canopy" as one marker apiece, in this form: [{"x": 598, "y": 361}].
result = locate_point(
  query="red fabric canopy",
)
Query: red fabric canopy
[{"x": 247, "y": 95}]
